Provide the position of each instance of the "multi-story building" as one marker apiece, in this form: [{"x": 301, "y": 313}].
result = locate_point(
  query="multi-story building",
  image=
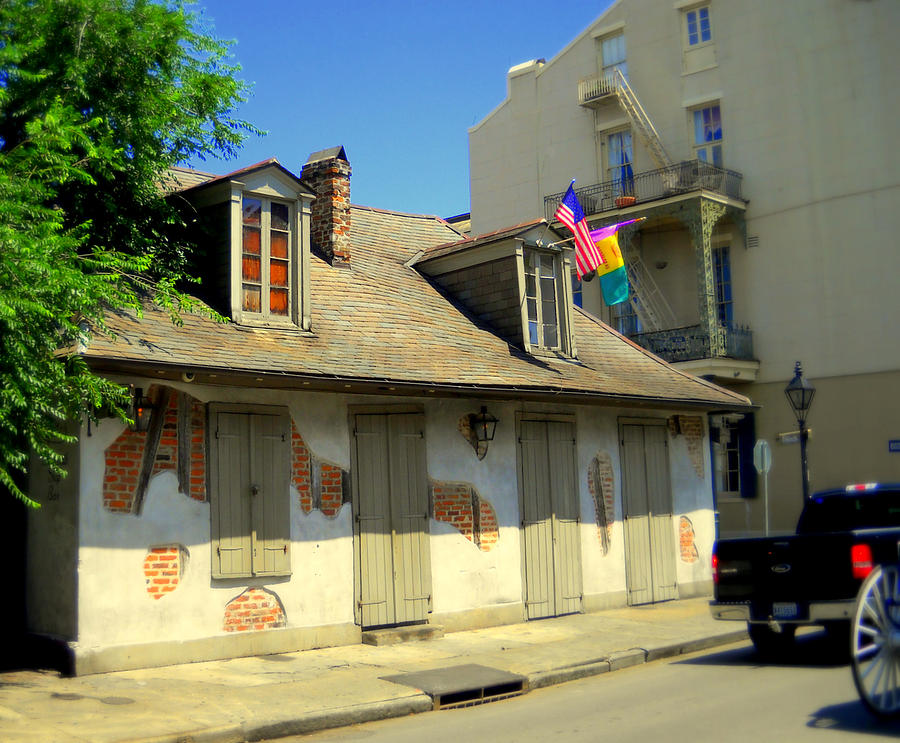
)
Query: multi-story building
[{"x": 757, "y": 142}]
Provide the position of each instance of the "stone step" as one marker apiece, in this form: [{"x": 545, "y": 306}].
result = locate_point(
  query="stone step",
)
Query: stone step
[{"x": 396, "y": 635}]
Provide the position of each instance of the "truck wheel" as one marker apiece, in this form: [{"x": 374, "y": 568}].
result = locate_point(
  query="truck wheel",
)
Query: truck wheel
[{"x": 769, "y": 643}]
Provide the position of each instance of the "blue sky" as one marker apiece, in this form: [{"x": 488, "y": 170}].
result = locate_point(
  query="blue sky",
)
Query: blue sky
[{"x": 396, "y": 83}]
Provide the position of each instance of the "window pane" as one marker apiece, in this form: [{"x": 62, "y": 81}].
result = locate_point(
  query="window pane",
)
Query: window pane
[
  {"x": 251, "y": 240},
  {"x": 548, "y": 313},
  {"x": 278, "y": 273},
  {"x": 546, "y": 271},
  {"x": 705, "y": 32},
  {"x": 280, "y": 216},
  {"x": 278, "y": 301},
  {"x": 279, "y": 245},
  {"x": 530, "y": 285},
  {"x": 533, "y": 333},
  {"x": 252, "y": 209},
  {"x": 698, "y": 127},
  {"x": 251, "y": 298},
  {"x": 550, "y": 336},
  {"x": 532, "y": 309},
  {"x": 250, "y": 268},
  {"x": 548, "y": 289}
]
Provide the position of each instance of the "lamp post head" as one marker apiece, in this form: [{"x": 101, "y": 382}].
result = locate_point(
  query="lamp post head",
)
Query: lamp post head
[{"x": 799, "y": 393}]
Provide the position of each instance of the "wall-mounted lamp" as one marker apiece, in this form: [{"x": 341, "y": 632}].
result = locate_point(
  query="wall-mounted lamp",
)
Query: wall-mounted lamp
[
  {"x": 141, "y": 410},
  {"x": 481, "y": 428}
]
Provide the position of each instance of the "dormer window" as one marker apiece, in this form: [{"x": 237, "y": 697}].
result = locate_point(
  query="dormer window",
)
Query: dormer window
[
  {"x": 255, "y": 243},
  {"x": 541, "y": 299},
  {"x": 266, "y": 257}
]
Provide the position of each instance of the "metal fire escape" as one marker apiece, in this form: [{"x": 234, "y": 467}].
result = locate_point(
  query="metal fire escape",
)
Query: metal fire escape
[
  {"x": 647, "y": 301},
  {"x": 642, "y": 124}
]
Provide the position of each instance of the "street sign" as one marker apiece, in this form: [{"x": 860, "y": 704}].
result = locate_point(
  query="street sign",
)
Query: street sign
[{"x": 762, "y": 456}]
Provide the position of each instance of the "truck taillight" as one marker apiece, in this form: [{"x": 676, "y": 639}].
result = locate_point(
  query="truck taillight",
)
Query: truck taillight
[
  {"x": 861, "y": 559},
  {"x": 715, "y": 567}
]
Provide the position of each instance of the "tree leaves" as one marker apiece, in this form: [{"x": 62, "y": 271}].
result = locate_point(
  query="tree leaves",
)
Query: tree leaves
[{"x": 98, "y": 98}]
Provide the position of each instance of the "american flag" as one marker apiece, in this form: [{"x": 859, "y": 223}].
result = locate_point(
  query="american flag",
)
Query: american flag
[{"x": 570, "y": 213}]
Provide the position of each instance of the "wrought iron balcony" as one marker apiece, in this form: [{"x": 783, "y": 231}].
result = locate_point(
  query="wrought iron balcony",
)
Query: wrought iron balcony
[
  {"x": 652, "y": 185},
  {"x": 694, "y": 342}
]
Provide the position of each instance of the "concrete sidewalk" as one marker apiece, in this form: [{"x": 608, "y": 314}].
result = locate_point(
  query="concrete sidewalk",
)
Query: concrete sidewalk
[{"x": 249, "y": 699}]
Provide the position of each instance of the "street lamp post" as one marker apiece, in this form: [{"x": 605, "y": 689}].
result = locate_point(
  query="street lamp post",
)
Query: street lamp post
[{"x": 800, "y": 393}]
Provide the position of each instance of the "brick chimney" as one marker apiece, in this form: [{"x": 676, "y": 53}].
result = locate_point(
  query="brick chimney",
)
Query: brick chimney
[{"x": 327, "y": 172}]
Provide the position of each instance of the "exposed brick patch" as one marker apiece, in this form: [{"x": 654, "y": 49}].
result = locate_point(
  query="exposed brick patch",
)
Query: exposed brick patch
[
  {"x": 125, "y": 456},
  {"x": 458, "y": 504},
  {"x": 163, "y": 568},
  {"x": 601, "y": 486},
  {"x": 197, "y": 428},
  {"x": 691, "y": 427},
  {"x": 686, "y": 540},
  {"x": 123, "y": 466},
  {"x": 300, "y": 470},
  {"x": 320, "y": 485},
  {"x": 254, "y": 609}
]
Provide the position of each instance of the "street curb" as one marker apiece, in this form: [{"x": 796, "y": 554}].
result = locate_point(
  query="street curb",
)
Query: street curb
[
  {"x": 307, "y": 723},
  {"x": 628, "y": 658},
  {"x": 421, "y": 702}
]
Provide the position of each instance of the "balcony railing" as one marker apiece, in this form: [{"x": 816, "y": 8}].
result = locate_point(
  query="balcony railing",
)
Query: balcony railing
[
  {"x": 693, "y": 343},
  {"x": 652, "y": 185},
  {"x": 596, "y": 87}
]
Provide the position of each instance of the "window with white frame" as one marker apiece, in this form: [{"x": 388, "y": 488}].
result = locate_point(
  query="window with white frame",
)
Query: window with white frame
[
  {"x": 619, "y": 159},
  {"x": 612, "y": 56},
  {"x": 708, "y": 134},
  {"x": 697, "y": 27},
  {"x": 266, "y": 248},
  {"x": 541, "y": 299}
]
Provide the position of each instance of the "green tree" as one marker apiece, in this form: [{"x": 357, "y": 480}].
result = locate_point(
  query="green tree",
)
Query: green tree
[{"x": 98, "y": 98}]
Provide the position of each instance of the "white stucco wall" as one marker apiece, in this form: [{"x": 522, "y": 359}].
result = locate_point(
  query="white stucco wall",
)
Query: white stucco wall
[{"x": 114, "y": 607}]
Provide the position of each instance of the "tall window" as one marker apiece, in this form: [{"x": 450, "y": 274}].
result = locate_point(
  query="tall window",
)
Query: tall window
[
  {"x": 612, "y": 52},
  {"x": 733, "y": 441},
  {"x": 697, "y": 27},
  {"x": 540, "y": 298},
  {"x": 722, "y": 269},
  {"x": 620, "y": 156},
  {"x": 265, "y": 257},
  {"x": 577, "y": 287},
  {"x": 708, "y": 135},
  {"x": 625, "y": 319}
]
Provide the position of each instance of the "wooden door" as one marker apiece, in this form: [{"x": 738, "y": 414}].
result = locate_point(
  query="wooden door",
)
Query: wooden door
[
  {"x": 647, "y": 500},
  {"x": 550, "y": 518},
  {"x": 393, "y": 560}
]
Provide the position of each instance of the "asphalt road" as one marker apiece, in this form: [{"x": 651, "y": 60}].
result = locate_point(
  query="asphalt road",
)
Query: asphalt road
[{"x": 722, "y": 695}]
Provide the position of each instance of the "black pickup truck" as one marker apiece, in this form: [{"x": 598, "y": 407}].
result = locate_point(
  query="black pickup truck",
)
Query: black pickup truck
[{"x": 778, "y": 583}]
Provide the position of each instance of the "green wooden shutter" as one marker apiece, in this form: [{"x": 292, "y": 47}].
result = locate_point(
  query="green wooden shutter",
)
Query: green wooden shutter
[
  {"x": 409, "y": 517},
  {"x": 270, "y": 494},
  {"x": 230, "y": 496},
  {"x": 566, "y": 516}
]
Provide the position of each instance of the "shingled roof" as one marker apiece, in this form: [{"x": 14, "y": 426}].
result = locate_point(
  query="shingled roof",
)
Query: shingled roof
[{"x": 384, "y": 326}]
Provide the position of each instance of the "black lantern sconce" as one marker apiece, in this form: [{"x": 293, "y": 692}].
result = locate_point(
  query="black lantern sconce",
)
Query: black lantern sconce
[
  {"x": 481, "y": 431},
  {"x": 141, "y": 410},
  {"x": 800, "y": 393}
]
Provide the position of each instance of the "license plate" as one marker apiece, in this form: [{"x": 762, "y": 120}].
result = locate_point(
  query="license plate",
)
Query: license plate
[{"x": 784, "y": 610}]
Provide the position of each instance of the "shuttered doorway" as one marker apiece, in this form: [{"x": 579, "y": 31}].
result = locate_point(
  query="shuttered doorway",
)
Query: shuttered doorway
[
  {"x": 392, "y": 555},
  {"x": 647, "y": 500},
  {"x": 550, "y": 518}
]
